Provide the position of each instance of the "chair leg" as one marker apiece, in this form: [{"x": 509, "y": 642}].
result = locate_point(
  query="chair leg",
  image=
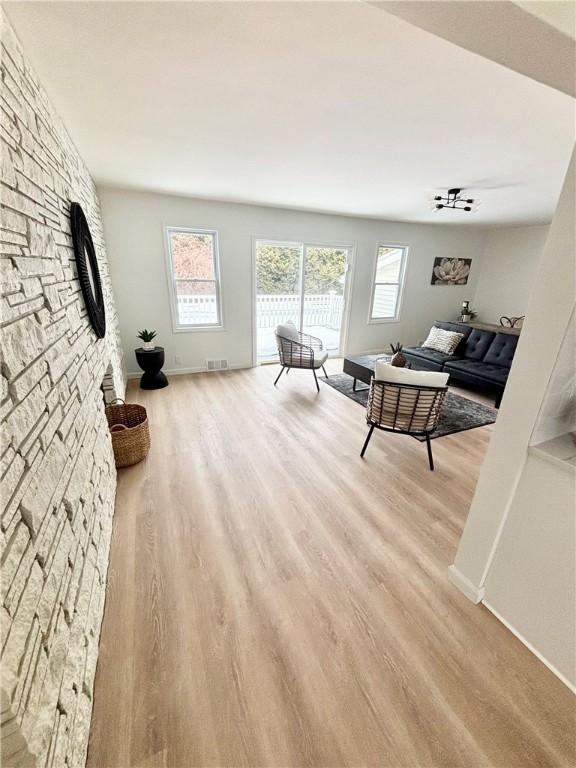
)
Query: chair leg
[
  {"x": 316, "y": 379},
  {"x": 324, "y": 369},
  {"x": 354, "y": 386},
  {"x": 429, "y": 446},
  {"x": 280, "y": 374},
  {"x": 363, "y": 451}
]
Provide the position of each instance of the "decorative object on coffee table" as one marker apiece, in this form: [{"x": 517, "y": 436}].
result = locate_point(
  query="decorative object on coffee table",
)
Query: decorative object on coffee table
[
  {"x": 128, "y": 424},
  {"x": 397, "y": 360},
  {"x": 147, "y": 339},
  {"x": 151, "y": 362}
]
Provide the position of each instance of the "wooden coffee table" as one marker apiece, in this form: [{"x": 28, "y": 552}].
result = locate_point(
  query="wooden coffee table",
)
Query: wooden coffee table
[{"x": 361, "y": 367}]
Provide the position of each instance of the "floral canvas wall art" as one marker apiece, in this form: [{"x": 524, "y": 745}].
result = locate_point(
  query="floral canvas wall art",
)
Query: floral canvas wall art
[{"x": 451, "y": 271}]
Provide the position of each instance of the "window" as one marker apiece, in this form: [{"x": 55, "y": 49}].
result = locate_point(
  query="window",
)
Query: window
[
  {"x": 388, "y": 279},
  {"x": 194, "y": 278}
]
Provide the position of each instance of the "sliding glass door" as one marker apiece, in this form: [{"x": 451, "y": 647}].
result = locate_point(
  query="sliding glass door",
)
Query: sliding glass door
[
  {"x": 304, "y": 283},
  {"x": 325, "y": 271}
]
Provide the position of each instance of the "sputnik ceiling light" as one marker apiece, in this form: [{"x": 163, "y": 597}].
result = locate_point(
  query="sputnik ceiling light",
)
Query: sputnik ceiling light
[{"x": 454, "y": 200}]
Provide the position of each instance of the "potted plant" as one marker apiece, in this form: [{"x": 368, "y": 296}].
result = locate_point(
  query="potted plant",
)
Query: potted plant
[
  {"x": 147, "y": 339},
  {"x": 468, "y": 315},
  {"x": 398, "y": 359}
]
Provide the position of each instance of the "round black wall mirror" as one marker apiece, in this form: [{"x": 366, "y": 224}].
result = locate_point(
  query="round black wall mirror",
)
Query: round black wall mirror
[{"x": 88, "y": 272}]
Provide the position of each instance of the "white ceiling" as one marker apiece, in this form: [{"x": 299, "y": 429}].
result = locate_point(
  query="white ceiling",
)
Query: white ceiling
[{"x": 335, "y": 107}]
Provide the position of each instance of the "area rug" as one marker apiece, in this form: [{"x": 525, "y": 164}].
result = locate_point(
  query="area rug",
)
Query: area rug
[{"x": 458, "y": 413}]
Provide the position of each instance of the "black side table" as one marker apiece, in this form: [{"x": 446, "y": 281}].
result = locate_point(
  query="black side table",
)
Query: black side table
[{"x": 151, "y": 362}]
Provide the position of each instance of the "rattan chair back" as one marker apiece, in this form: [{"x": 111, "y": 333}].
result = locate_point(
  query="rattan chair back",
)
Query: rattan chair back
[
  {"x": 294, "y": 354},
  {"x": 407, "y": 408}
]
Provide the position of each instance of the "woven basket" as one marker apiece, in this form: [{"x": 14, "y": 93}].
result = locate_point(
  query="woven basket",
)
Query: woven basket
[{"x": 128, "y": 425}]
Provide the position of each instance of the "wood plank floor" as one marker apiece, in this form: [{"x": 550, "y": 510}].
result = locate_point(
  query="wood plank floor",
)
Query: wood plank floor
[{"x": 274, "y": 600}]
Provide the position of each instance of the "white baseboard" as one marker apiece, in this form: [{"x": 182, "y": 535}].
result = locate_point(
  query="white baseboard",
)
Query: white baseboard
[
  {"x": 476, "y": 595},
  {"x": 169, "y": 372},
  {"x": 182, "y": 371},
  {"x": 471, "y": 591},
  {"x": 531, "y": 648}
]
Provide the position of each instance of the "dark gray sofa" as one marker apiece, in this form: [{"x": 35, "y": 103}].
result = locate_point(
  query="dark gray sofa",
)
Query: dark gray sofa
[{"x": 482, "y": 359}]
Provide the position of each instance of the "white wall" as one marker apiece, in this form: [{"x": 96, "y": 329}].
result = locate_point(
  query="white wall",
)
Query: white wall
[
  {"x": 504, "y": 495},
  {"x": 532, "y": 582},
  {"x": 134, "y": 227},
  {"x": 508, "y": 271}
]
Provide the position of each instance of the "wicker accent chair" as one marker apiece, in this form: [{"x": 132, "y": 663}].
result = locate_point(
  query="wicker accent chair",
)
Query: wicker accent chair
[
  {"x": 302, "y": 351},
  {"x": 409, "y": 409}
]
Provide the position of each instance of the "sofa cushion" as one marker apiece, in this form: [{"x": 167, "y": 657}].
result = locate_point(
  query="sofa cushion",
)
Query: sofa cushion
[
  {"x": 422, "y": 357},
  {"x": 442, "y": 340},
  {"x": 471, "y": 370},
  {"x": 477, "y": 344},
  {"x": 502, "y": 349}
]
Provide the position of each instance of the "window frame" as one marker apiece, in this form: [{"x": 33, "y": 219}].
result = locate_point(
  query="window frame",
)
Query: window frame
[
  {"x": 178, "y": 327},
  {"x": 401, "y": 283}
]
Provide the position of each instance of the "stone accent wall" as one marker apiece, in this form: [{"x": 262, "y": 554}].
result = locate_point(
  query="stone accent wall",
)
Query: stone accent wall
[{"x": 57, "y": 466}]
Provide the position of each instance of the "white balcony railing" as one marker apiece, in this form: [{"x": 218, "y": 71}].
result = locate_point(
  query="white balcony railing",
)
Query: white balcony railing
[{"x": 319, "y": 310}]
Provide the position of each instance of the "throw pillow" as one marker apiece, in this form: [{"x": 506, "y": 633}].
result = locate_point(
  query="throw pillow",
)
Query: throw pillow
[
  {"x": 287, "y": 331},
  {"x": 443, "y": 341}
]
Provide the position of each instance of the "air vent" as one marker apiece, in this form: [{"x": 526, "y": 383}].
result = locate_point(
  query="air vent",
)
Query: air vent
[{"x": 213, "y": 364}]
